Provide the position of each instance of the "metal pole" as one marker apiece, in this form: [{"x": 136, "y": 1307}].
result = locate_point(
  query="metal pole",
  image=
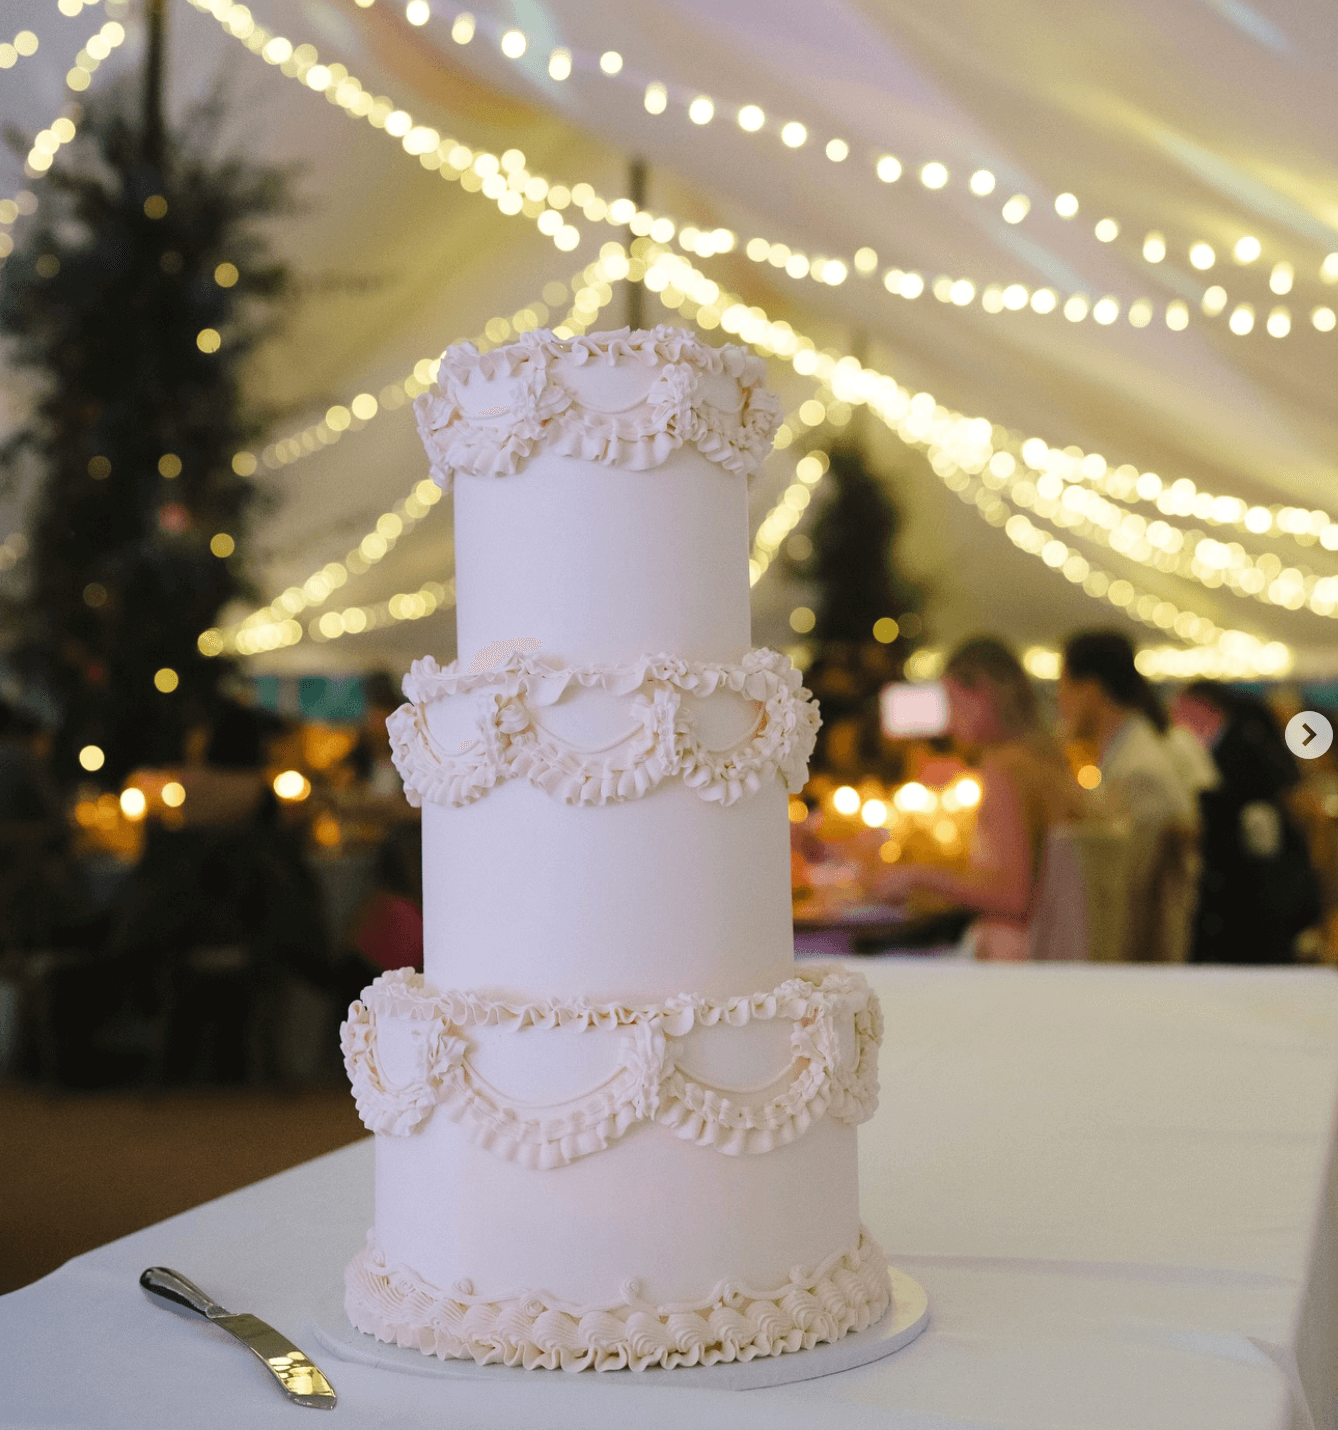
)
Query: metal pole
[
  {"x": 636, "y": 294},
  {"x": 153, "y": 139}
]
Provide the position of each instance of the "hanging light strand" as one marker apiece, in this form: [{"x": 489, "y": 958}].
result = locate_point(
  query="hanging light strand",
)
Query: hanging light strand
[
  {"x": 921, "y": 422},
  {"x": 792, "y": 136},
  {"x": 276, "y": 626}
]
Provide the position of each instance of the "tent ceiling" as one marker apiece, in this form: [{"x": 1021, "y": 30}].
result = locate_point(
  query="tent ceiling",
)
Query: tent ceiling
[{"x": 1201, "y": 119}]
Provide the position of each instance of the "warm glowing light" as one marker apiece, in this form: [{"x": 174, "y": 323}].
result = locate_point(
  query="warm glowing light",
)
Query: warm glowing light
[
  {"x": 1016, "y": 209},
  {"x": 874, "y": 813},
  {"x": 291, "y": 785},
  {"x": 226, "y": 275},
  {"x": 933, "y": 176},
  {"x": 888, "y": 169},
  {"x": 208, "y": 340},
  {"x": 611, "y": 62},
  {"x": 169, "y": 465},
  {"x": 967, "y": 792},
  {"x": 166, "y": 680},
  {"x": 174, "y": 794},
  {"x": 798, "y": 811},
  {"x": 92, "y": 758},
  {"x": 1154, "y": 248},
  {"x": 559, "y": 64},
  {"x": 885, "y": 630},
  {"x": 1106, "y": 230},
  {"x": 418, "y": 12},
  {"x": 657, "y": 98},
  {"x": 914, "y": 798},
  {"x": 513, "y": 44},
  {"x": 751, "y": 118},
  {"x": 889, "y": 851},
  {"x": 838, "y": 151},
  {"x": 1247, "y": 249},
  {"x": 1066, "y": 205},
  {"x": 1201, "y": 255},
  {"x": 222, "y": 545},
  {"x": 462, "y": 30},
  {"x": 1089, "y": 776},
  {"x": 1280, "y": 280},
  {"x": 155, "y": 206},
  {"x": 793, "y": 135},
  {"x": 701, "y": 110},
  {"x": 982, "y": 183},
  {"x": 133, "y": 803},
  {"x": 846, "y": 800},
  {"x": 802, "y": 620},
  {"x": 945, "y": 832}
]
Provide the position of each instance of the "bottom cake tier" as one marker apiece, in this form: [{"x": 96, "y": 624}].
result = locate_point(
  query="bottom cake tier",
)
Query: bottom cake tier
[{"x": 580, "y": 1186}]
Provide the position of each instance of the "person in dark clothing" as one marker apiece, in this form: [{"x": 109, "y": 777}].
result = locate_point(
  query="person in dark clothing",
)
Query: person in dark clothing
[{"x": 1257, "y": 889}]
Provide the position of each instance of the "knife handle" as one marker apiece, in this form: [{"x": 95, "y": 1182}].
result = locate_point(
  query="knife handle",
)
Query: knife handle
[{"x": 173, "y": 1286}]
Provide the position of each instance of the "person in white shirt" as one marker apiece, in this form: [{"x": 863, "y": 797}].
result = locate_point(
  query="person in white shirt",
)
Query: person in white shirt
[{"x": 1144, "y": 785}]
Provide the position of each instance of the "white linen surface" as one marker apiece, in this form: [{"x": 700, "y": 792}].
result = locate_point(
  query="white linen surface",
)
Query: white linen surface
[{"x": 1116, "y": 1184}]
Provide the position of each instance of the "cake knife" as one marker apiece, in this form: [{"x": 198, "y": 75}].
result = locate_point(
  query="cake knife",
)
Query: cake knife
[{"x": 302, "y": 1382}]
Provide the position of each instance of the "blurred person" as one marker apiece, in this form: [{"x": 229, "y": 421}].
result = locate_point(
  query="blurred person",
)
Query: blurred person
[
  {"x": 1028, "y": 788},
  {"x": 1258, "y": 889},
  {"x": 1104, "y": 699},
  {"x": 387, "y": 931},
  {"x": 367, "y": 788},
  {"x": 221, "y": 907}
]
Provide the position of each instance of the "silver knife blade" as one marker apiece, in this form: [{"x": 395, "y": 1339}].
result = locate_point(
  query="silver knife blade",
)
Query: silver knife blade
[{"x": 302, "y": 1381}]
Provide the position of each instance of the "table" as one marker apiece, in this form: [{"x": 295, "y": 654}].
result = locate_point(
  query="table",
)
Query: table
[{"x": 1116, "y": 1183}]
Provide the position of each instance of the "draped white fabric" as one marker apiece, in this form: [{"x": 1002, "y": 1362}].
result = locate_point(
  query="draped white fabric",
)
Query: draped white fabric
[
  {"x": 1116, "y": 1185},
  {"x": 1201, "y": 121}
]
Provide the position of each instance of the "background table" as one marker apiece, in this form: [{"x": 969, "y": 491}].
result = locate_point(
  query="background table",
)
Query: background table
[{"x": 1117, "y": 1185}]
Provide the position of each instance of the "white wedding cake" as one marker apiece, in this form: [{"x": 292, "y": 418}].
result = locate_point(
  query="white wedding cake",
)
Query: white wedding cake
[{"x": 615, "y": 1123}]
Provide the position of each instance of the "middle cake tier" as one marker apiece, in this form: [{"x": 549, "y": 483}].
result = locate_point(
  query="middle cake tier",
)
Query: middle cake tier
[{"x": 628, "y": 820}]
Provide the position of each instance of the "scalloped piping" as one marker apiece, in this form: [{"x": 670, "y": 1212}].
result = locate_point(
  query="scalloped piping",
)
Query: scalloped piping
[
  {"x": 543, "y": 412},
  {"x": 662, "y": 743},
  {"x": 834, "y": 1041},
  {"x": 849, "y": 1291}
]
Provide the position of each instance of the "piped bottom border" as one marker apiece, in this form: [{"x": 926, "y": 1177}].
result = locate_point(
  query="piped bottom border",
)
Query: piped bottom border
[{"x": 848, "y": 1292}]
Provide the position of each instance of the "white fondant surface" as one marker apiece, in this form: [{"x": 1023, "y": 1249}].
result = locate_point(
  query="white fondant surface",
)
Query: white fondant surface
[
  {"x": 675, "y": 1217},
  {"x": 643, "y": 899},
  {"x": 602, "y": 564}
]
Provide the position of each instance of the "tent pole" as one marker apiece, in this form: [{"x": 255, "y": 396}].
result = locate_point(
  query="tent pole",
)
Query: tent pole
[
  {"x": 153, "y": 138},
  {"x": 636, "y": 294}
]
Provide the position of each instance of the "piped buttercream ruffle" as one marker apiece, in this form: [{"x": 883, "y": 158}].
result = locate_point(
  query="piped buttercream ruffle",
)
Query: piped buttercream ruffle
[
  {"x": 849, "y": 1291},
  {"x": 488, "y": 413},
  {"x": 662, "y": 742},
  {"x": 836, "y": 1029}
]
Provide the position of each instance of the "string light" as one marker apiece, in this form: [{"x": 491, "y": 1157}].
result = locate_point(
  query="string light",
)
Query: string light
[
  {"x": 591, "y": 201},
  {"x": 508, "y": 187},
  {"x": 921, "y": 422},
  {"x": 794, "y": 135},
  {"x": 275, "y": 626},
  {"x": 19, "y": 48}
]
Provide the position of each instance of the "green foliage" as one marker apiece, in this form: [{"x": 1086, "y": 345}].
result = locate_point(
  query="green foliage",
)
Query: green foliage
[
  {"x": 853, "y": 538},
  {"x": 102, "y": 303}
]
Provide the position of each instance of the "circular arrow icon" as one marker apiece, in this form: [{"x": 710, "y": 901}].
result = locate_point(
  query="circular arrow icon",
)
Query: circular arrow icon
[{"x": 1309, "y": 735}]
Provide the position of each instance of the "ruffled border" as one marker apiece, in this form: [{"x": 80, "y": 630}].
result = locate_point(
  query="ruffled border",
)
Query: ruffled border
[
  {"x": 544, "y": 413},
  {"x": 662, "y": 743},
  {"x": 849, "y": 1291},
  {"x": 834, "y": 1041}
]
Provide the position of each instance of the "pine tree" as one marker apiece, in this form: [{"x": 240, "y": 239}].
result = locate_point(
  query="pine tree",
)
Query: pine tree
[{"x": 135, "y": 295}]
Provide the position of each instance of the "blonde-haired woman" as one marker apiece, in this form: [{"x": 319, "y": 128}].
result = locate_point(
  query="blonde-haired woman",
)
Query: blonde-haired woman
[{"x": 1028, "y": 789}]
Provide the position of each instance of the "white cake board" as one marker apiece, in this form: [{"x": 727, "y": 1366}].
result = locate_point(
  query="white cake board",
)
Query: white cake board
[{"x": 907, "y": 1317}]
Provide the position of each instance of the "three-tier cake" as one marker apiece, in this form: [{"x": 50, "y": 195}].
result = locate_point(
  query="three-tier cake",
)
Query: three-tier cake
[{"x": 615, "y": 1122}]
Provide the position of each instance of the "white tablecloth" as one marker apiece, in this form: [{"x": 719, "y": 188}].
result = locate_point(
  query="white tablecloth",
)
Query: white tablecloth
[{"x": 1117, "y": 1185}]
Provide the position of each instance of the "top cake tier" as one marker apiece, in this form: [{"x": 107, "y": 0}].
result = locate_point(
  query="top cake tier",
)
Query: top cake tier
[{"x": 602, "y": 503}]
